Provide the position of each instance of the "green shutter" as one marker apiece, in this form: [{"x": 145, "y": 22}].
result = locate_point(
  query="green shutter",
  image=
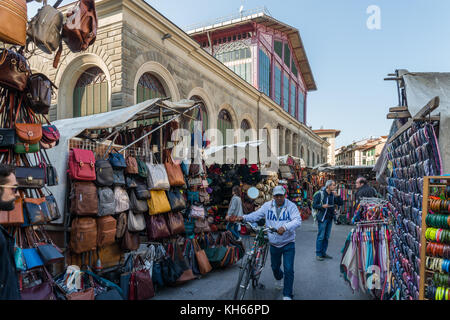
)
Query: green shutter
[{"x": 278, "y": 46}]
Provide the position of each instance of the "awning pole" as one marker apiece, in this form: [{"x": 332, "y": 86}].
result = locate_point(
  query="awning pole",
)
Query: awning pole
[{"x": 149, "y": 133}]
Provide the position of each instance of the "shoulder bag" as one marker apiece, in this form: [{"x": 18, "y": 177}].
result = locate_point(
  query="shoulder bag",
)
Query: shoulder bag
[
  {"x": 176, "y": 200},
  {"x": 30, "y": 133},
  {"x": 14, "y": 70},
  {"x": 104, "y": 173},
  {"x": 175, "y": 223},
  {"x": 136, "y": 222},
  {"x": 52, "y": 205},
  {"x": 156, "y": 227},
  {"x": 13, "y": 217},
  {"x": 119, "y": 177},
  {"x": 39, "y": 93},
  {"x": 117, "y": 160},
  {"x": 136, "y": 205},
  {"x": 202, "y": 260},
  {"x": 132, "y": 166},
  {"x": 142, "y": 191},
  {"x": 158, "y": 203},
  {"x": 13, "y": 15},
  {"x": 130, "y": 241},
  {"x": 174, "y": 172},
  {"x": 122, "y": 200}
]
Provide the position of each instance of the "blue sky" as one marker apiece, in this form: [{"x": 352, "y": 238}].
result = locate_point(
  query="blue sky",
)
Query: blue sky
[{"x": 349, "y": 61}]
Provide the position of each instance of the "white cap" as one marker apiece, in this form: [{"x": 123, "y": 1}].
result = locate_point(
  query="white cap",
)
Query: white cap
[{"x": 279, "y": 190}]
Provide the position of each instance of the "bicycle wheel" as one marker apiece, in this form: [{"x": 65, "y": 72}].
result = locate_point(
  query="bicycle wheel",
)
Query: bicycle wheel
[
  {"x": 243, "y": 281},
  {"x": 260, "y": 266}
]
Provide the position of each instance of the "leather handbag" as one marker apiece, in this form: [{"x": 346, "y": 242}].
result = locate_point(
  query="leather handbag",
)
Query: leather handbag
[
  {"x": 158, "y": 203},
  {"x": 174, "y": 172},
  {"x": 42, "y": 291},
  {"x": 197, "y": 212},
  {"x": 106, "y": 202},
  {"x": 201, "y": 225},
  {"x": 142, "y": 168},
  {"x": 201, "y": 258},
  {"x": 104, "y": 173},
  {"x": 84, "y": 198},
  {"x": 32, "y": 258},
  {"x": 157, "y": 177},
  {"x": 13, "y": 15},
  {"x": 131, "y": 182},
  {"x": 51, "y": 175},
  {"x": 50, "y": 134},
  {"x": 82, "y": 165},
  {"x": 7, "y": 138},
  {"x": 49, "y": 253},
  {"x": 83, "y": 235},
  {"x": 117, "y": 160},
  {"x": 136, "y": 205},
  {"x": 193, "y": 196},
  {"x": 80, "y": 29},
  {"x": 106, "y": 231},
  {"x": 175, "y": 223},
  {"x": 13, "y": 217},
  {"x": 52, "y": 205},
  {"x": 142, "y": 192},
  {"x": 132, "y": 166},
  {"x": 14, "y": 70},
  {"x": 216, "y": 255},
  {"x": 176, "y": 200},
  {"x": 156, "y": 227},
  {"x": 130, "y": 241},
  {"x": 119, "y": 177},
  {"x": 136, "y": 222},
  {"x": 85, "y": 295},
  {"x": 45, "y": 28},
  {"x": 36, "y": 210},
  {"x": 143, "y": 284},
  {"x": 24, "y": 147},
  {"x": 121, "y": 225},
  {"x": 121, "y": 199},
  {"x": 30, "y": 133},
  {"x": 40, "y": 90}
]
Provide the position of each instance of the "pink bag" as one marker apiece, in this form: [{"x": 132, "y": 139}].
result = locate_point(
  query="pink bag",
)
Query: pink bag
[
  {"x": 81, "y": 165},
  {"x": 197, "y": 212}
]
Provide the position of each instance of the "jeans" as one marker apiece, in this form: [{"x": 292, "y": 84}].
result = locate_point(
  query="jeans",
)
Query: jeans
[
  {"x": 234, "y": 228},
  {"x": 322, "y": 237},
  {"x": 288, "y": 254}
]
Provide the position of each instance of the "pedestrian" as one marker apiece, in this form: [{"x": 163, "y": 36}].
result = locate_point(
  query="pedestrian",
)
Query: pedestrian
[
  {"x": 235, "y": 210},
  {"x": 284, "y": 216},
  {"x": 9, "y": 284},
  {"x": 324, "y": 202},
  {"x": 364, "y": 190}
]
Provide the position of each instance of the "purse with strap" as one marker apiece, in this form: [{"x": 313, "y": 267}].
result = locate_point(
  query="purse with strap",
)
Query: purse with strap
[
  {"x": 176, "y": 200},
  {"x": 122, "y": 200},
  {"x": 158, "y": 203},
  {"x": 136, "y": 222},
  {"x": 136, "y": 205},
  {"x": 130, "y": 241},
  {"x": 156, "y": 227},
  {"x": 13, "y": 15},
  {"x": 132, "y": 166},
  {"x": 174, "y": 172},
  {"x": 40, "y": 90},
  {"x": 202, "y": 260},
  {"x": 175, "y": 223},
  {"x": 82, "y": 165},
  {"x": 30, "y": 133},
  {"x": 14, "y": 70}
]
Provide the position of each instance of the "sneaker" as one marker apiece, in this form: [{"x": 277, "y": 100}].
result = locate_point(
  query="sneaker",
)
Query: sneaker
[
  {"x": 327, "y": 256},
  {"x": 319, "y": 258},
  {"x": 287, "y": 298},
  {"x": 279, "y": 284}
]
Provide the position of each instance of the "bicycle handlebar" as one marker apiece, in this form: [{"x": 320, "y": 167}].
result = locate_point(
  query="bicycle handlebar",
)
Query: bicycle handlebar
[{"x": 265, "y": 229}]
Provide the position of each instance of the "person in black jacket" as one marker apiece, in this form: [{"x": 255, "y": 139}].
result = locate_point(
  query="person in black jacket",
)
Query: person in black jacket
[
  {"x": 9, "y": 284},
  {"x": 363, "y": 190},
  {"x": 324, "y": 202}
]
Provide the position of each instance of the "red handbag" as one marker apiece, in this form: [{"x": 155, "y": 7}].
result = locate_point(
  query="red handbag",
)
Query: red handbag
[{"x": 82, "y": 165}]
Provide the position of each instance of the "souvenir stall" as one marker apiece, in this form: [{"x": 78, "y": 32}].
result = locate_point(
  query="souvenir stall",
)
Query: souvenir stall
[{"x": 365, "y": 256}]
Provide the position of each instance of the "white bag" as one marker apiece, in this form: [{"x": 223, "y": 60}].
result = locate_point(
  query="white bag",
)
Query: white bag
[
  {"x": 157, "y": 177},
  {"x": 136, "y": 222},
  {"x": 197, "y": 212},
  {"x": 121, "y": 199}
]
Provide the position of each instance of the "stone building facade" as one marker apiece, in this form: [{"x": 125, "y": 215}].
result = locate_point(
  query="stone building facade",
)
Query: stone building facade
[{"x": 140, "y": 54}]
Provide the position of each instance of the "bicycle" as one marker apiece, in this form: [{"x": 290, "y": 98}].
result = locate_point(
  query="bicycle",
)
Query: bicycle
[{"x": 253, "y": 263}]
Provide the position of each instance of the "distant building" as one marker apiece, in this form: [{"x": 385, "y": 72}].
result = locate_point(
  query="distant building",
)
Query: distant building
[
  {"x": 330, "y": 136},
  {"x": 361, "y": 153}
]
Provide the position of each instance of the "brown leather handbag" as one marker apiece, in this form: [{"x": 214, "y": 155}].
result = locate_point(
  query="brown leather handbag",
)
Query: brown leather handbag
[
  {"x": 40, "y": 90},
  {"x": 13, "y": 217},
  {"x": 156, "y": 227},
  {"x": 84, "y": 199},
  {"x": 175, "y": 222},
  {"x": 132, "y": 166},
  {"x": 13, "y": 15},
  {"x": 83, "y": 235},
  {"x": 131, "y": 241},
  {"x": 80, "y": 29},
  {"x": 174, "y": 172},
  {"x": 202, "y": 260},
  {"x": 14, "y": 70},
  {"x": 30, "y": 133},
  {"x": 106, "y": 231}
]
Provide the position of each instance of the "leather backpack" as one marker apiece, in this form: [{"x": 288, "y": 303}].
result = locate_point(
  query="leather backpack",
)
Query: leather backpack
[
  {"x": 84, "y": 199},
  {"x": 132, "y": 166},
  {"x": 82, "y": 165},
  {"x": 104, "y": 173},
  {"x": 14, "y": 69},
  {"x": 13, "y": 15},
  {"x": 106, "y": 231},
  {"x": 106, "y": 202},
  {"x": 40, "y": 90},
  {"x": 83, "y": 235},
  {"x": 45, "y": 27},
  {"x": 122, "y": 201}
]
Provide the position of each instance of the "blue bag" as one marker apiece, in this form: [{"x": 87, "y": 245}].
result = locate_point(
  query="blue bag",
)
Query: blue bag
[
  {"x": 189, "y": 227},
  {"x": 193, "y": 196},
  {"x": 32, "y": 258},
  {"x": 157, "y": 275},
  {"x": 117, "y": 160}
]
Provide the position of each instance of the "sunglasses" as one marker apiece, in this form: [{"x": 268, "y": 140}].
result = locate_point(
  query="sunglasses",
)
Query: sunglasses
[{"x": 14, "y": 188}]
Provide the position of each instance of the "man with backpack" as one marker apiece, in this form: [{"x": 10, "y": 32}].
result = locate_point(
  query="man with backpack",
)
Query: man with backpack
[{"x": 323, "y": 207}]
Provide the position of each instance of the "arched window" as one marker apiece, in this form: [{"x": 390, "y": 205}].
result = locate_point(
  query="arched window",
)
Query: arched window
[
  {"x": 149, "y": 87},
  {"x": 308, "y": 162},
  {"x": 90, "y": 95},
  {"x": 196, "y": 114},
  {"x": 280, "y": 140},
  {"x": 287, "y": 140},
  {"x": 224, "y": 123},
  {"x": 246, "y": 136}
]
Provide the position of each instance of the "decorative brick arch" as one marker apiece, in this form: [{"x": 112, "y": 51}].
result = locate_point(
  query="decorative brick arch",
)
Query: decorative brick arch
[
  {"x": 248, "y": 117},
  {"x": 233, "y": 114},
  {"x": 209, "y": 104}
]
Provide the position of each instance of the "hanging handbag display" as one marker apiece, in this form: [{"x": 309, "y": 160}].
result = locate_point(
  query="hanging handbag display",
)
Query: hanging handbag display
[
  {"x": 50, "y": 134},
  {"x": 132, "y": 166},
  {"x": 175, "y": 222},
  {"x": 24, "y": 147},
  {"x": 82, "y": 165},
  {"x": 158, "y": 203},
  {"x": 83, "y": 235},
  {"x": 136, "y": 205},
  {"x": 174, "y": 172},
  {"x": 197, "y": 212},
  {"x": 130, "y": 241},
  {"x": 13, "y": 15},
  {"x": 14, "y": 70},
  {"x": 13, "y": 217},
  {"x": 201, "y": 225},
  {"x": 45, "y": 28},
  {"x": 7, "y": 138},
  {"x": 84, "y": 198},
  {"x": 142, "y": 191},
  {"x": 41, "y": 291},
  {"x": 51, "y": 174},
  {"x": 157, "y": 177},
  {"x": 156, "y": 227},
  {"x": 40, "y": 91},
  {"x": 48, "y": 251},
  {"x": 36, "y": 209},
  {"x": 136, "y": 222},
  {"x": 201, "y": 258},
  {"x": 117, "y": 160},
  {"x": 176, "y": 200},
  {"x": 119, "y": 178},
  {"x": 52, "y": 205},
  {"x": 104, "y": 173},
  {"x": 30, "y": 133},
  {"x": 122, "y": 200}
]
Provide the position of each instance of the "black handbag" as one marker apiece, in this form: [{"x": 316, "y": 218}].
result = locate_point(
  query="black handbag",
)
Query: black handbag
[
  {"x": 30, "y": 177},
  {"x": 119, "y": 177},
  {"x": 136, "y": 205},
  {"x": 170, "y": 271},
  {"x": 142, "y": 192},
  {"x": 40, "y": 90},
  {"x": 7, "y": 138},
  {"x": 104, "y": 173},
  {"x": 52, "y": 205},
  {"x": 51, "y": 175},
  {"x": 176, "y": 200}
]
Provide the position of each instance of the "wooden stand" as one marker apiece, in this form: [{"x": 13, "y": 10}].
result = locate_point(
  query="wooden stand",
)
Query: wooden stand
[{"x": 423, "y": 242}]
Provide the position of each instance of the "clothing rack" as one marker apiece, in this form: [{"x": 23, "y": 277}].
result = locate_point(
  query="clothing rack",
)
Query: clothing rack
[{"x": 374, "y": 222}]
